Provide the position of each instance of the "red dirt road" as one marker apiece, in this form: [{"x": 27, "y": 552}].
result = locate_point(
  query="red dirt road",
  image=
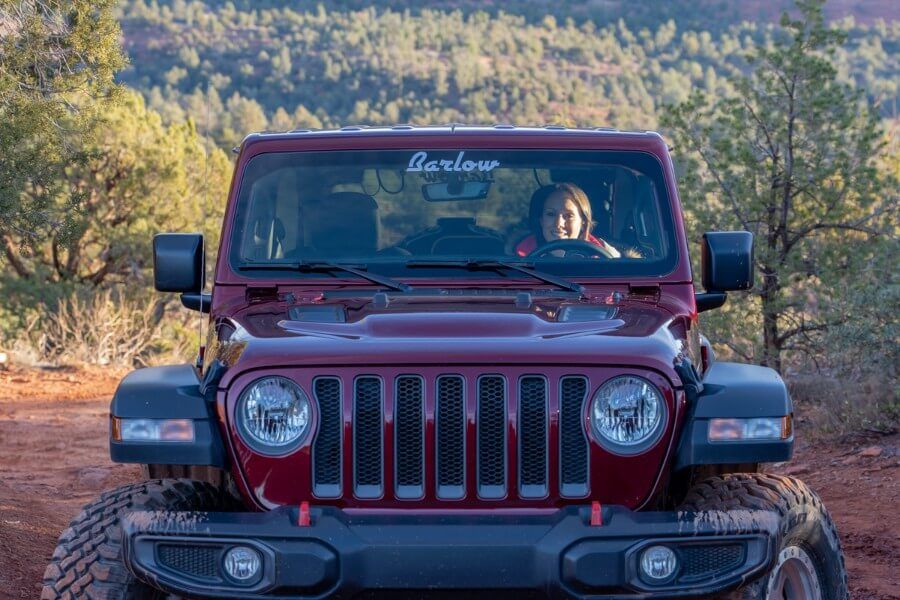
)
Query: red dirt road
[{"x": 54, "y": 459}]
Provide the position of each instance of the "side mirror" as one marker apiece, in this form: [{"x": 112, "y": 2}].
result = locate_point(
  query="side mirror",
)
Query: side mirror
[
  {"x": 178, "y": 262},
  {"x": 727, "y": 264}
]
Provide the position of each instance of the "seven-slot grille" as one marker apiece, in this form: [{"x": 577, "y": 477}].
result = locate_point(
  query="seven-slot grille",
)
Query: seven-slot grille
[{"x": 500, "y": 404}]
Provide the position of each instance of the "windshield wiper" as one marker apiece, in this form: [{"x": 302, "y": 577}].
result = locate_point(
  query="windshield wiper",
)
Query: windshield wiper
[
  {"x": 475, "y": 264},
  {"x": 309, "y": 266}
]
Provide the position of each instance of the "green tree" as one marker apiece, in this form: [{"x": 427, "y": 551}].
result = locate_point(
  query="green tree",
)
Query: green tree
[
  {"x": 791, "y": 157},
  {"x": 57, "y": 62},
  {"x": 140, "y": 177}
]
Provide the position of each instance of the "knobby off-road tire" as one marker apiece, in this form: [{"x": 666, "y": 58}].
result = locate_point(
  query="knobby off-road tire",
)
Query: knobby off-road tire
[
  {"x": 87, "y": 562},
  {"x": 803, "y": 521}
]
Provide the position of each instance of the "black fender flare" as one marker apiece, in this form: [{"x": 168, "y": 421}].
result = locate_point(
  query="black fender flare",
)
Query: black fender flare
[
  {"x": 732, "y": 390},
  {"x": 168, "y": 392}
]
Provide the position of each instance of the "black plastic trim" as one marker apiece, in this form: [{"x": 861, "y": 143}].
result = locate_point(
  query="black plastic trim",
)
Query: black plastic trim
[
  {"x": 170, "y": 392},
  {"x": 557, "y": 554},
  {"x": 201, "y": 302},
  {"x": 178, "y": 262},
  {"x": 727, "y": 260},
  {"x": 733, "y": 390},
  {"x": 710, "y": 300}
]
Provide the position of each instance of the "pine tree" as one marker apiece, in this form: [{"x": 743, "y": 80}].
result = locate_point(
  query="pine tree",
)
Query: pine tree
[
  {"x": 57, "y": 62},
  {"x": 791, "y": 157}
]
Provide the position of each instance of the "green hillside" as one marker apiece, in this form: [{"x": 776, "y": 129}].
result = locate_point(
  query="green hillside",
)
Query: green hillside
[{"x": 611, "y": 63}]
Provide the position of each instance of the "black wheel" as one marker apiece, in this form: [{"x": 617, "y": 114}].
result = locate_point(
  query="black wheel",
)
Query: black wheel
[
  {"x": 810, "y": 563},
  {"x": 87, "y": 562}
]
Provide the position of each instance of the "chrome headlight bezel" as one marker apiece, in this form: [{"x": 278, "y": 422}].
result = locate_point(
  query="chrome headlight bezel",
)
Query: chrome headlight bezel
[
  {"x": 654, "y": 430},
  {"x": 302, "y": 405}
]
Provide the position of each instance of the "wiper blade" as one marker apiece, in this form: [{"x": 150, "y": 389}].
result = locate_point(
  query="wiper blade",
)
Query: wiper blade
[
  {"x": 478, "y": 264},
  {"x": 308, "y": 266}
]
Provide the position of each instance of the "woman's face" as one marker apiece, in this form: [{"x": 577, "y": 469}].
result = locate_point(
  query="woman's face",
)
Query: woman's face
[{"x": 561, "y": 219}]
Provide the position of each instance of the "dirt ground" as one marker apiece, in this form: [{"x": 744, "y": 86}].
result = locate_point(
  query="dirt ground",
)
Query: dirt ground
[{"x": 54, "y": 459}]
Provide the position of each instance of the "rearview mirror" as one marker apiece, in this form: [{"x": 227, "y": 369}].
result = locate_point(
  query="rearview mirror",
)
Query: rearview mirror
[
  {"x": 444, "y": 191},
  {"x": 178, "y": 262}
]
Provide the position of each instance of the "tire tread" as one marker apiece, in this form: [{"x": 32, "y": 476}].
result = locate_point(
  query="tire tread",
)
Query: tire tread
[
  {"x": 764, "y": 491},
  {"x": 87, "y": 562}
]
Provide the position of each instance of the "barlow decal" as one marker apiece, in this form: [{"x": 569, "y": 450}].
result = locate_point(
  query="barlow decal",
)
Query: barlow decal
[{"x": 418, "y": 164}]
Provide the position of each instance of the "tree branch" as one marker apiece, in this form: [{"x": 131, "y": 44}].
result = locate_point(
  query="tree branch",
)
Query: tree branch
[{"x": 12, "y": 256}]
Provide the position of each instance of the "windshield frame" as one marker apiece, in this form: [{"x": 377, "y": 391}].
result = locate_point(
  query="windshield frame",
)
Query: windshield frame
[{"x": 646, "y": 145}]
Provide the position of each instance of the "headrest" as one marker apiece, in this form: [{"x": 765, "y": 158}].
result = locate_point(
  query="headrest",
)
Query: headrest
[{"x": 356, "y": 201}]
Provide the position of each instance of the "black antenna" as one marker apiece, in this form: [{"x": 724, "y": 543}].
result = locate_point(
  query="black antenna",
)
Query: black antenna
[{"x": 203, "y": 211}]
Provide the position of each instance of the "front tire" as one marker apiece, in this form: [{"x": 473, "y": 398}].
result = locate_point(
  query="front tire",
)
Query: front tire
[
  {"x": 810, "y": 563},
  {"x": 87, "y": 562}
]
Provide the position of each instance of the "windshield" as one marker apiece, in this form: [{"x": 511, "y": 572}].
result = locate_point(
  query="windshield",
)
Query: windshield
[{"x": 571, "y": 213}]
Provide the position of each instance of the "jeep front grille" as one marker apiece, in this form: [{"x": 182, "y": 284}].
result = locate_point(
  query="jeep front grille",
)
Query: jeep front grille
[{"x": 467, "y": 431}]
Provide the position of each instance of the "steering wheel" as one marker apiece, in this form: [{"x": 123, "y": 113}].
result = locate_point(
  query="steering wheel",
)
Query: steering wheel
[{"x": 572, "y": 247}]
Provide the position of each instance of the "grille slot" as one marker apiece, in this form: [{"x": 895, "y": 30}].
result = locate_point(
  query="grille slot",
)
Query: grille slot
[
  {"x": 573, "y": 444},
  {"x": 327, "y": 448},
  {"x": 703, "y": 561},
  {"x": 492, "y": 422},
  {"x": 368, "y": 467},
  {"x": 409, "y": 415},
  {"x": 450, "y": 424},
  {"x": 533, "y": 446},
  {"x": 197, "y": 561}
]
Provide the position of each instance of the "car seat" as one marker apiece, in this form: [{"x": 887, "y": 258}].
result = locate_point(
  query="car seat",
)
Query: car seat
[
  {"x": 647, "y": 229},
  {"x": 342, "y": 224},
  {"x": 266, "y": 240}
]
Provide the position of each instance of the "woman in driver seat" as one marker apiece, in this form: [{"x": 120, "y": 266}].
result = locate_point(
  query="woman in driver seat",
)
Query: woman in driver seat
[{"x": 561, "y": 211}]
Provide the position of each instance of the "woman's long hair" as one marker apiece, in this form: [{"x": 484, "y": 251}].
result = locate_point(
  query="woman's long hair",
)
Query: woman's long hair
[{"x": 572, "y": 192}]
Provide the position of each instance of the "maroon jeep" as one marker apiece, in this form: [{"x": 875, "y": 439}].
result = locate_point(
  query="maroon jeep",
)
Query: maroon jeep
[{"x": 453, "y": 360}]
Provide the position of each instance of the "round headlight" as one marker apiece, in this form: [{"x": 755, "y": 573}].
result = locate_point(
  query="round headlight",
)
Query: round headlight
[
  {"x": 627, "y": 414},
  {"x": 273, "y": 413}
]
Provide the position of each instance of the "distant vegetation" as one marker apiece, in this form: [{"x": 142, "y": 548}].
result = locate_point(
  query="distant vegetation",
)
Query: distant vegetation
[
  {"x": 91, "y": 173},
  {"x": 282, "y": 65}
]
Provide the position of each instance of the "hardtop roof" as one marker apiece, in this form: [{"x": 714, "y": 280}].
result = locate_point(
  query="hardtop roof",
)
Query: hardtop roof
[{"x": 608, "y": 134}]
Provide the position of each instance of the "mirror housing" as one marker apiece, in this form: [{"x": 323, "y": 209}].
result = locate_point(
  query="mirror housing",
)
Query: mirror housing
[
  {"x": 727, "y": 260},
  {"x": 178, "y": 262},
  {"x": 727, "y": 264}
]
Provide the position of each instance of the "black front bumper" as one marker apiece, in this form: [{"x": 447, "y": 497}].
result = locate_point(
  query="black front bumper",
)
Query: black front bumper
[{"x": 550, "y": 555}]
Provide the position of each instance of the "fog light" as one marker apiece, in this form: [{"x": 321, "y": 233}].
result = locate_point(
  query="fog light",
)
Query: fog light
[
  {"x": 658, "y": 563},
  {"x": 242, "y": 563}
]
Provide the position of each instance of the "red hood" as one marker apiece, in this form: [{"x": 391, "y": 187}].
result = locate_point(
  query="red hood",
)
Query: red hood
[{"x": 633, "y": 333}]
